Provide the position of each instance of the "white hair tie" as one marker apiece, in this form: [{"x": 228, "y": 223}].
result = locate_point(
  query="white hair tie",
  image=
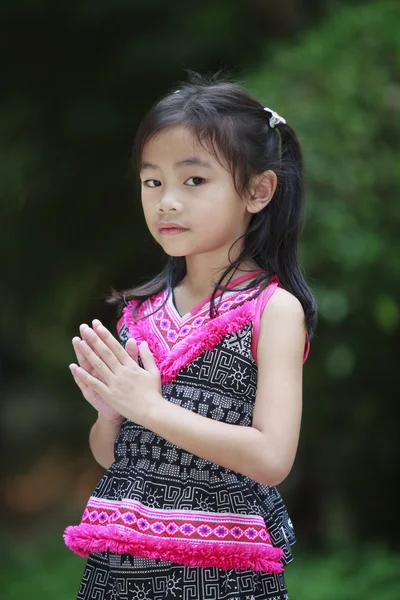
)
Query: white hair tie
[{"x": 274, "y": 119}]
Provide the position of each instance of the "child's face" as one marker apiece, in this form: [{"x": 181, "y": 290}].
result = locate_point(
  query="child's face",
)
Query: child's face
[{"x": 183, "y": 183}]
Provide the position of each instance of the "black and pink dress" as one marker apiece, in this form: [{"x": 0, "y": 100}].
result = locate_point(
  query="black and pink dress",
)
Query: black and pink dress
[{"x": 163, "y": 523}]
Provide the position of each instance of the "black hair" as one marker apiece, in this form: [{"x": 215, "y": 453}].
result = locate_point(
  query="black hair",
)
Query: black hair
[{"x": 234, "y": 126}]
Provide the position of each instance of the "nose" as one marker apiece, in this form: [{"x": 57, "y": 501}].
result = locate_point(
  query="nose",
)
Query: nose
[{"x": 169, "y": 201}]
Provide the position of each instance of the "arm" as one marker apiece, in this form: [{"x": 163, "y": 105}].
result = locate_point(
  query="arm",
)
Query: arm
[
  {"x": 101, "y": 440},
  {"x": 266, "y": 451}
]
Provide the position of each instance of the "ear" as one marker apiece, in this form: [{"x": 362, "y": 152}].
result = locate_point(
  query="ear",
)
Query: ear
[{"x": 262, "y": 191}]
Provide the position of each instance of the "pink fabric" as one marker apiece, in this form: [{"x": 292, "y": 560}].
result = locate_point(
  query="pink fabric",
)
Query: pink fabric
[
  {"x": 196, "y": 309},
  {"x": 158, "y": 513},
  {"x": 193, "y": 525},
  {"x": 231, "y": 284},
  {"x": 198, "y": 341},
  {"x": 260, "y": 305},
  {"x": 307, "y": 348},
  {"x": 84, "y": 539}
]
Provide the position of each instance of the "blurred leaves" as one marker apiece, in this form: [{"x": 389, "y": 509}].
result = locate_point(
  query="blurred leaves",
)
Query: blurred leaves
[
  {"x": 338, "y": 87},
  {"x": 368, "y": 572},
  {"x": 78, "y": 77},
  {"x": 51, "y": 571}
]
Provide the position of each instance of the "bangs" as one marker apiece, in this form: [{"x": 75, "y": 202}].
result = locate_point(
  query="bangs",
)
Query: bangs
[{"x": 223, "y": 135}]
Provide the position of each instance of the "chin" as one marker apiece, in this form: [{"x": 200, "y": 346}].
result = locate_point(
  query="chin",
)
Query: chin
[{"x": 173, "y": 249}]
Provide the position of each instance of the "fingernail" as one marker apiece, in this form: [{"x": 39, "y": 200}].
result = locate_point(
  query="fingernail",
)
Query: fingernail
[
  {"x": 96, "y": 322},
  {"x": 83, "y": 326}
]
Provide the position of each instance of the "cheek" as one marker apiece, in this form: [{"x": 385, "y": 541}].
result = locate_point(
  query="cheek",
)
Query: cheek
[
  {"x": 146, "y": 206},
  {"x": 219, "y": 212},
  {"x": 148, "y": 215}
]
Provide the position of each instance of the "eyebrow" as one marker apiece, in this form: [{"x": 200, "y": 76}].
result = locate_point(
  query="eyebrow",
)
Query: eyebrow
[{"x": 193, "y": 161}]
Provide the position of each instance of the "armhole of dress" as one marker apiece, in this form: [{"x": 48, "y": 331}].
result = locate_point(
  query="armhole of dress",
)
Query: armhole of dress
[
  {"x": 259, "y": 307},
  {"x": 261, "y": 301},
  {"x": 126, "y": 317}
]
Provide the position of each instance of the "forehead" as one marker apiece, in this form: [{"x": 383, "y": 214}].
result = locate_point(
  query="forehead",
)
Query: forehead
[{"x": 176, "y": 145}]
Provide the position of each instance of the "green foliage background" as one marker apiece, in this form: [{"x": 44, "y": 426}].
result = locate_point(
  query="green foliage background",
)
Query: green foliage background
[{"x": 78, "y": 78}]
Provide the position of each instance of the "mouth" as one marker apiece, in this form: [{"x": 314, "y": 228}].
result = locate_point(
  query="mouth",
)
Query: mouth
[{"x": 171, "y": 230}]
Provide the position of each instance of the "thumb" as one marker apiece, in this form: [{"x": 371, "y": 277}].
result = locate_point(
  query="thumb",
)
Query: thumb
[
  {"x": 131, "y": 349},
  {"x": 148, "y": 359}
]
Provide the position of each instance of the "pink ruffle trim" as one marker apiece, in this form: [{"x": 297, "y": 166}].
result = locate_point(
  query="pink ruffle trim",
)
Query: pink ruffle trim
[
  {"x": 84, "y": 539},
  {"x": 198, "y": 341}
]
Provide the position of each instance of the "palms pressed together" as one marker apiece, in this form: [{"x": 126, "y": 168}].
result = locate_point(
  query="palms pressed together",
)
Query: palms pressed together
[{"x": 102, "y": 407}]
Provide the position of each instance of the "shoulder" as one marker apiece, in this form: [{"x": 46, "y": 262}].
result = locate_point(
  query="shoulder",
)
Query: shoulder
[
  {"x": 283, "y": 303},
  {"x": 282, "y": 327}
]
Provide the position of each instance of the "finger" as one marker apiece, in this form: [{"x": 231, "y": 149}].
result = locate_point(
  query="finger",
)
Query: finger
[
  {"x": 88, "y": 393},
  {"x": 82, "y": 329},
  {"x": 96, "y": 362},
  {"x": 80, "y": 383},
  {"x": 100, "y": 348},
  {"x": 113, "y": 344},
  {"x": 148, "y": 359},
  {"x": 132, "y": 349},
  {"x": 93, "y": 383},
  {"x": 83, "y": 362},
  {"x": 87, "y": 366}
]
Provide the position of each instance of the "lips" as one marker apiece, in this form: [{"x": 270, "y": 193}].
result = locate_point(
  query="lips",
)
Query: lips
[{"x": 171, "y": 227}]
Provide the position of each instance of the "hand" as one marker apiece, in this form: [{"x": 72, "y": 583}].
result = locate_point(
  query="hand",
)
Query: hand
[
  {"x": 115, "y": 376},
  {"x": 105, "y": 410}
]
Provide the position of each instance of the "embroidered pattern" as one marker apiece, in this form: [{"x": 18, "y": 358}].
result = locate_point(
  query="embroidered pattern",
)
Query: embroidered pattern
[
  {"x": 164, "y": 519},
  {"x": 193, "y": 525},
  {"x": 173, "y": 347},
  {"x": 186, "y": 537}
]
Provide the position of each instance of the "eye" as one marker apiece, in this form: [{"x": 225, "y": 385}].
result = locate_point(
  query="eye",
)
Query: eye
[
  {"x": 152, "y": 183},
  {"x": 196, "y": 181}
]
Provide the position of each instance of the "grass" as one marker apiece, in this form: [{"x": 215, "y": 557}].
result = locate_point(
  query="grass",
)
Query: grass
[{"x": 47, "y": 570}]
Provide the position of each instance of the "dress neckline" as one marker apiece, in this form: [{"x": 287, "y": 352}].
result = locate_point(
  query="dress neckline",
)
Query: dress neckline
[{"x": 199, "y": 305}]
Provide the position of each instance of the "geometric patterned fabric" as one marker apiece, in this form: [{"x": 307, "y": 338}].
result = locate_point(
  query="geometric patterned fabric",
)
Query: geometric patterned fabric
[{"x": 163, "y": 523}]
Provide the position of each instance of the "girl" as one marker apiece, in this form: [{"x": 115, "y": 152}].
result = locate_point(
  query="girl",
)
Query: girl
[{"x": 199, "y": 408}]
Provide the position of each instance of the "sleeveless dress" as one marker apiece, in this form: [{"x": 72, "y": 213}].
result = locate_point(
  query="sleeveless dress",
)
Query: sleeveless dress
[{"x": 163, "y": 523}]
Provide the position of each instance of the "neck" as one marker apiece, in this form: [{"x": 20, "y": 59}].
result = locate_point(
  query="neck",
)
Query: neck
[{"x": 201, "y": 278}]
